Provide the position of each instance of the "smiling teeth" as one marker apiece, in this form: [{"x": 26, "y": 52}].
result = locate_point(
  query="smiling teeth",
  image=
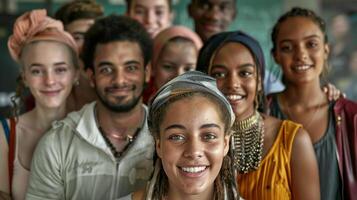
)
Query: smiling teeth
[
  {"x": 302, "y": 68},
  {"x": 193, "y": 169},
  {"x": 234, "y": 97}
]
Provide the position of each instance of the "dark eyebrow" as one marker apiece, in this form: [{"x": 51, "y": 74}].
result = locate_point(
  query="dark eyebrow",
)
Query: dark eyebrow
[
  {"x": 103, "y": 63},
  {"x": 210, "y": 126},
  {"x": 178, "y": 126},
  {"x": 35, "y": 65},
  {"x": 307, "y": 37},
  {"x": 240, "y": 66},
  {"x": 130, "y": 62},
  {"x": 60, "y": 63},
  {"x": 173, "y": 126}
]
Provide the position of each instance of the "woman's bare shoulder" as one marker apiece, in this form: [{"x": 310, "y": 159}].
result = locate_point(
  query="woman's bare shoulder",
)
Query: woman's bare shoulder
[{"x": 139, "y": 195}]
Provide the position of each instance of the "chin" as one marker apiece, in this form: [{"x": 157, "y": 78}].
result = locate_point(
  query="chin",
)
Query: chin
[{"x": 195, "y": 189}]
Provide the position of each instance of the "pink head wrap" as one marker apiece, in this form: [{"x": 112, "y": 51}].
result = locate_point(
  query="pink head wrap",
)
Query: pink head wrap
[
  {"x": 174, "y": 31},
  {"x": 37, "y": 26}
]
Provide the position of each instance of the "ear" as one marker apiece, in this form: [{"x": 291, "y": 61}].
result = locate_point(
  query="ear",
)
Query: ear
[
  {"x": 158, "y": 148},
  {"x": 226, "y": 143},
  {"x": 275, "y": 56},
  {"x": 23, "y": 77},
  {"x": 77, "y": 75},
  {"x": 91, "y": 76},
  {"x": 148, "y": 72},
  {"x": 260, "y": 83},
  {"x": 327, "y": 51}
]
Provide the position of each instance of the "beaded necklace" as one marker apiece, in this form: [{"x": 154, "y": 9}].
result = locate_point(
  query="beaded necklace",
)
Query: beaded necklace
[
  {"x": 248, "y": 138},
  {"x": 129, "y": 139}
]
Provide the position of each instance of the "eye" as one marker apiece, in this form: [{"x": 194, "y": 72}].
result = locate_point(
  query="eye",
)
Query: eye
[
  {"x": 204, "y": 5},
  {"x": 35, "y": 72},
  {"x": 139, "y": 11},
  {"x": 245, "y": 73},
  {"x": 286, "y": 48},
  {"x": 189, "y": 68},
  {"x": 209, "y": 136},
  {"x": 105, "y": 70},
  {"x": 224, "y": 7},
  {"x": 176, "y": 138},
  {"x": 312, "y": 44},
  {"x": 131, "y": 68},
  {"x": 218, "y": 75},
  {"x": 168, "y": 67},
  {"x": 61, "y": 70},
  {"x": 78, "y": 37},
  {"x": 159, "y": 12}
]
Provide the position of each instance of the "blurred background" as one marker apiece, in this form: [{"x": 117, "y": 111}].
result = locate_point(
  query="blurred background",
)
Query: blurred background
[{"x": 255, "y": 17}]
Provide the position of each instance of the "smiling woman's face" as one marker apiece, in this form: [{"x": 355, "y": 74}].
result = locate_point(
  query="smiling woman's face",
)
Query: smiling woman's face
[
  {"x": 236, "y": 77},
  {"x": 192, "y": 145},
  {"x": 49, "y": 72}
]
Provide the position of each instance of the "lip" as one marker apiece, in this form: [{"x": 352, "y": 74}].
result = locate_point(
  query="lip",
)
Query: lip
[
  {"x": 152, "y": 31},
  {"x": 195, "y": 171},
  {"x": 211, "y": 27},
  {"x": 121, "y": 91},
  {"x": 234, "y": 98},
  {"x": 50, "y": 92},
  {"x": 302, "y": 67}
]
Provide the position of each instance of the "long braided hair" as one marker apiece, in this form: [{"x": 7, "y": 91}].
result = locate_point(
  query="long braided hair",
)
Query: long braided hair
[{"x": 225, "y": 186}]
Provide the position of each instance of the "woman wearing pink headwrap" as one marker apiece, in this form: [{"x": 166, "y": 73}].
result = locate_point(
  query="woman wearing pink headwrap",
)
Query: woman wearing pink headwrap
[
  {"x": 49, "y": 68},
  {"x": 175, "y": 52}
]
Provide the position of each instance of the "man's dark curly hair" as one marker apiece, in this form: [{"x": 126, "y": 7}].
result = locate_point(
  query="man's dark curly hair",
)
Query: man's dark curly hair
[{"x": 114, "y": 28}]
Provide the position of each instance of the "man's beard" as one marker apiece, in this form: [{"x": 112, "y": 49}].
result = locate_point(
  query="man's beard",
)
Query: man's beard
[{"x": 120, "y": 107}]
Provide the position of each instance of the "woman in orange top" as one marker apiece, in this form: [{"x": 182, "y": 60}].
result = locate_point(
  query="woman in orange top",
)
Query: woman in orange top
[{"x": 274, "y": 158}]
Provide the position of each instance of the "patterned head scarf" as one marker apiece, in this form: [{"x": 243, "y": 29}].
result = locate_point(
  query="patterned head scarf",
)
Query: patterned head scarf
[
  {"x": 188, "y": 82},
  {"x": 37, "y": 26},
  {"x": 215, "y": 42},
  {"x": 175, "y": 31}
]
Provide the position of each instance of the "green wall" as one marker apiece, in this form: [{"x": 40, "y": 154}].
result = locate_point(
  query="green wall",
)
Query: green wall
[{"x": 255, "y": 17}]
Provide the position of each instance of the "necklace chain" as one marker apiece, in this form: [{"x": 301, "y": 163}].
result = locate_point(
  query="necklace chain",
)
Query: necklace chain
[
  {"x": 309, "y": 122},
  {"x": 248, "y": 138}
]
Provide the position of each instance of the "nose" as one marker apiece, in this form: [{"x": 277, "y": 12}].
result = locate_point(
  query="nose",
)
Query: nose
[
  {"x": 50, "y": 78},
  {"x": 150, "y": 18},
  {"x": 193, "y": 149},
  {"x": 119, "y": 76},
  {"x": 233, "y": 82},
  {"x": 301, "y": 53},
  {"x": 180, "y": 71},
  {"x": 213, "y": 13}
]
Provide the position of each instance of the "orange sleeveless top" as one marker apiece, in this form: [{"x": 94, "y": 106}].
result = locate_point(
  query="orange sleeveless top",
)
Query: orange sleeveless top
[{"x": 273, "y": 178}]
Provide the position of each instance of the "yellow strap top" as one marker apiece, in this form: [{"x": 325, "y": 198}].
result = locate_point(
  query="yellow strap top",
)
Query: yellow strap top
[{"x": 273, "y": 178}]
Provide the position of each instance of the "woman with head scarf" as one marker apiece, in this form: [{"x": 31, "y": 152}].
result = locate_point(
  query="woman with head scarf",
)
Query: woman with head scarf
[
  {"x": 274, "y": 158},
  {"x": 49, "y": 68},
  {"x": 190, "y": 120},
  {"x": 175, "y": 52}
]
